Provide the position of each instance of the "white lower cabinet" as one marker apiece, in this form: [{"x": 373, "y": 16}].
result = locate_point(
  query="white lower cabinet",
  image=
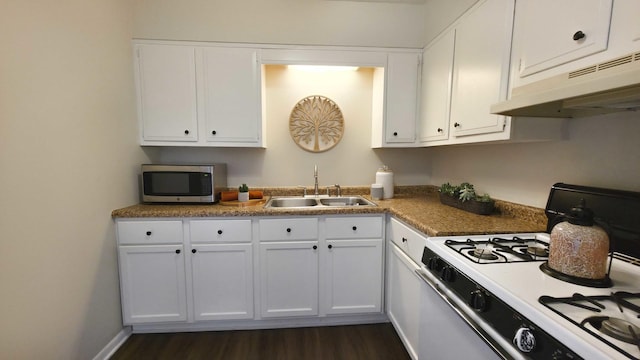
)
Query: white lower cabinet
[
  {"x": 338, "y": 273},
  {"x": 352, "y": 286},
  {"x": 289, "y": 278},
  {"x": 152, "y": 271},
  {"x": 152, "y": 283},
  {"x": 154, "y": 258},
  {"x": 352, "y": 268},
  {"x": 179, "y": 274},
  {"x": 221, "y": 269},
  {"x": 289, "y": 267},
  {"x": 403, "y": 285},
  {"x": 222, "y": 281}
]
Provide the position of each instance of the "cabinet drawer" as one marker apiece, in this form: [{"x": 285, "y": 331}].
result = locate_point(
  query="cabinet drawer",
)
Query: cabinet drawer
[
  {"x": 149, "y": 232},
  {"x": 288, "y": 229},
  {"x": 407, "y": 239},
  {"x": 220, "y": 231},
  {"x": 352, "y": 227}
]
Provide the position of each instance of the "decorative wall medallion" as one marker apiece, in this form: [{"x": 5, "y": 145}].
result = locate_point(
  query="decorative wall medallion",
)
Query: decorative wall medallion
[{"x": 316, "y": 123}]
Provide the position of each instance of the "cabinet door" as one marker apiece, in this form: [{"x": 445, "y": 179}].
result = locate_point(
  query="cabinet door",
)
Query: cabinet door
[
  {"x": 220, "y": 231},
  {"x": 550, "y": 31},
  {"x": 302, "y": 228},
  {"x": 149, "y": 232},
  {"x": 231, "y": 95},
  {"x": 437, "y": 70},
  {"x": 222, "y": 281},
  {"x": 353, "y": 270},
  {"x": 166, "y": 86},
  {"x": 289, "y": 278},
  {"x": 481, "y": 68},
  {"x": 353, "y": 227},
  {"x": 403, "y": 298},
  {"x": 152, "y": 282},
  {"x": 401, "y": 97}
]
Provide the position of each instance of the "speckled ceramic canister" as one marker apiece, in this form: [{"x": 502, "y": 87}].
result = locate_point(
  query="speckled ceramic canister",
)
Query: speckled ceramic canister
[
  {"x": 579, "y": 248},
  {"x": 384, "y": 176}
]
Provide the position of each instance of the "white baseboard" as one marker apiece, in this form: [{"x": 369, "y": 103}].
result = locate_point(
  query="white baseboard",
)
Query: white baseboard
[
  {"x": 261, "y": 324},
  {"x": 114, "y": 344}
]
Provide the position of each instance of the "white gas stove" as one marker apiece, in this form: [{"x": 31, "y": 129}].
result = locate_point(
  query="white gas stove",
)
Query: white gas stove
[{"x": 499, "y": 282}]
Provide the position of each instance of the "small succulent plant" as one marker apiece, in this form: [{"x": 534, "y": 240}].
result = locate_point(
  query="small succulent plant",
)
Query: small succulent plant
[
  {"x": 467, "y": 192},
  {"x": 243, "y": 188},
  {"x": 464, "y": 192}
]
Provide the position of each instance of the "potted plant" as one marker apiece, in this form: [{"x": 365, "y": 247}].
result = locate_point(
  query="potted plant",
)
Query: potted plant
[
  {"x": 243, "y": 193},
  {"x": 464, "y": 197}
]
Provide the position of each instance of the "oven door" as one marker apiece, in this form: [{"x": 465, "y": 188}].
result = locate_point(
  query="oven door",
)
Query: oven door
[{"x": 449, "y": 329}]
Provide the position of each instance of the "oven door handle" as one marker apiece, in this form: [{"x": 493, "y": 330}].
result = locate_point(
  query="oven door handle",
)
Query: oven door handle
[{"x": 497, "y": 348}]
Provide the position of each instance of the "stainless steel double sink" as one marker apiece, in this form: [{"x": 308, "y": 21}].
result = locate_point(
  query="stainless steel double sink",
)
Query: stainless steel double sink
[{"x": 314, "y": 202}]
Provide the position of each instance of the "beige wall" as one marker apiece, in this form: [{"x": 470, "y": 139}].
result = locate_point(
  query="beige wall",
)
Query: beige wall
[
  {"x": 283, "y": 163},
  {"x": 599, "y": 151},
  {"x": 68, "y": 156},
  {"x": 310, "y": 22}
]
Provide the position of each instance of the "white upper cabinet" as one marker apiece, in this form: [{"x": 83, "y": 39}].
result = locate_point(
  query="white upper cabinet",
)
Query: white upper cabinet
[
  {"x": 198, "y": 95},
  {"x": 437, "y": 69},
  {"x": 401, "y": 88},
  {"x": 166, "y": 83},
  {"x": 626, "y": 22},
  {"x": 543, "y": 44},
  {"x": 231, "y": 95},
  {"x": 481, "y": 68},
  {"x": 395, "y": 101},
  {"x": 557, "y": 32},
  {"x": 465, "y": 71}
]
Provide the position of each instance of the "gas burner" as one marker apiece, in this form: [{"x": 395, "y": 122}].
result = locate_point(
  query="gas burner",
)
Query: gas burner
[
  {"x": 621, "y": 329},
  {"x": 484, "y": 252},
  {"x": 617, "y": 328},
  {"x": 537, "y": 251}
]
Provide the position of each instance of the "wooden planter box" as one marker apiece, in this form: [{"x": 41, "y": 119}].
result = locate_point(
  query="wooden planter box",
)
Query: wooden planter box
[{"x": 473, "y": 206}]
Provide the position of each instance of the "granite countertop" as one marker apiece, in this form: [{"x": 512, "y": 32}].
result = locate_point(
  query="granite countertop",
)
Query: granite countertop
[{"x": 416, "y": 206}]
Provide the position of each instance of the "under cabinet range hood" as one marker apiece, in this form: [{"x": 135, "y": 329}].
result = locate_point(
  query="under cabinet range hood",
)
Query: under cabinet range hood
[{"x": 610, "y": 86}]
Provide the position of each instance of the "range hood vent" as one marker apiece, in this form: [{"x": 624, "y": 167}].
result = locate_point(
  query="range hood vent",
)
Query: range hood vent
[{"x": 610, "y": 86}]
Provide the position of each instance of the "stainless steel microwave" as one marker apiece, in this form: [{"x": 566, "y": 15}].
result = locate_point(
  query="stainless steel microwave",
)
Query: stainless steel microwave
[{"x": 183, "y": 183}]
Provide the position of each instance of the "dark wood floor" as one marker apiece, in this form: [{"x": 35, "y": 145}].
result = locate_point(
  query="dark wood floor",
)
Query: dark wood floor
[{"x": 370, "y": 342}]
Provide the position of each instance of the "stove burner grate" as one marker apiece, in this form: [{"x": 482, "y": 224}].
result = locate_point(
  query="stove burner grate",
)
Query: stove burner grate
[
  {"x": 500, "y": 250},
  {"x": 604, "y": 328}
]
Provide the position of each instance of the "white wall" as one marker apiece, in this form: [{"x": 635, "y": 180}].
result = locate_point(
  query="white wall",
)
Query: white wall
[
  {"x": 310, "y": 22},
  {"x": 351, "y": 162},
  {"x": 68, "y": 156},
  {"x": 600, "y": 151}
]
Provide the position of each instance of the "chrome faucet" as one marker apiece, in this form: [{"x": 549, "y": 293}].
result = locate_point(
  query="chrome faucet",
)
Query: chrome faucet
[
  {"x": 315, "y": 177},
  {"x": 339, "y": 190}
]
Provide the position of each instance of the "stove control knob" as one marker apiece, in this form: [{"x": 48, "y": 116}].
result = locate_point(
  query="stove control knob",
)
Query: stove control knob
[
  {"x": 478, "y": 300},
  {"x": 524, "y": 339},
  {"x": 448, "y": 274},
  {"x": 434, "y": 263}
]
